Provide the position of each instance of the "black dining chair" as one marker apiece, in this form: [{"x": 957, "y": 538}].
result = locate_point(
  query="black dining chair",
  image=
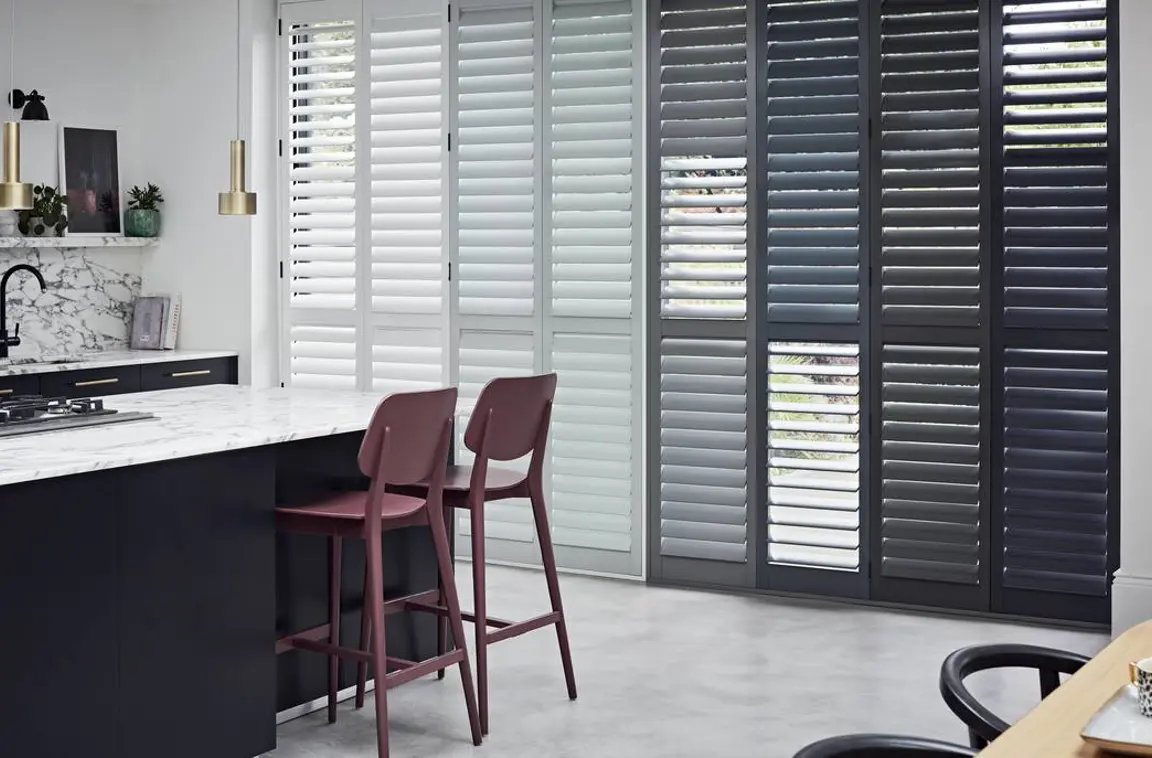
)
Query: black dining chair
[
  {"x": 984, "y": 725},
  {"x": 883, "y": 746}
]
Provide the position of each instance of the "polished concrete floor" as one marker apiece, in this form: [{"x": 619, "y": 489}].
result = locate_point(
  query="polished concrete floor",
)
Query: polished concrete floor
[{"x": 667, "y": 673}]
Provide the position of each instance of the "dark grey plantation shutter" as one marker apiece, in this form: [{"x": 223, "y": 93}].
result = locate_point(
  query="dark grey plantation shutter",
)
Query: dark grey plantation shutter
[
  {"x": 1056, "y": 470},
  {"x": 930, "y": 142},
  {"x": 700, "y": 89},
  {"x": 1056, "y": 194},
  {"x": 703, "y": 131},
  {"x": 931, "y": 463},
  {"x": 703, "y": 450},
  {"x": 1058, "y": 382},
  {"x": 930, "y": 304},
  {"x": 813, "y": 124},
  {"x": 814, "y": 134}
]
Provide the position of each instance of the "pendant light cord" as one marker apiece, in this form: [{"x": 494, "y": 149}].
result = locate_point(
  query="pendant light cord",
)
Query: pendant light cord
[
  {"x": 12, "y": 51},
  {"x": 239, "y": 76}
]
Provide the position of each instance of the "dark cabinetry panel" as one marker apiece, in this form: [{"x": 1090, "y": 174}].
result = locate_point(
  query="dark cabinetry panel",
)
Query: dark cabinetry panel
[
  {"x": 58, "y": 602},
  {"x": 96, "y": 382},
  {"x": 11, "y": 386},
  {"x": 167, "y": 376}
]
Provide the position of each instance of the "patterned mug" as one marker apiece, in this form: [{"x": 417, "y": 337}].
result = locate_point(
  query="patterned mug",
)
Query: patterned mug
[{"x": 1140, "y": 673}]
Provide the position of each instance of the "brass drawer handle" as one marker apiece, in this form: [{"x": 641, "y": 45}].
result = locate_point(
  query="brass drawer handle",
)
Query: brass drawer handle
[
  {"x": 8, "y": 391},
  {"x": 95, "y": 382},
  {"x": 182, "y": 374}
]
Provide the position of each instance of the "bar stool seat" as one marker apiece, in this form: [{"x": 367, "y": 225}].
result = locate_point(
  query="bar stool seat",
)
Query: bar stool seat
[
  {"x": 459, "y": 480},
  {"x": 350, "y": 506}
]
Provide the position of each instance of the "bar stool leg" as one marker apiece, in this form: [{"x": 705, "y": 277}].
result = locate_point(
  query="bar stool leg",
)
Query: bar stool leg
[
  {"x": 480, "y": 603},
  {"x": 374, "y": 592},
  {"x": 442, "y": 621},
  {"x": 548, "y": 558},
  {"x": 365, "y": 644},
  {"x": 337, "y": 550},
  {"x": 452, "y": 603}
]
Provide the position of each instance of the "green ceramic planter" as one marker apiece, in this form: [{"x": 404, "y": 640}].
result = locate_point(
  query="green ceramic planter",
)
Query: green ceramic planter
[{"x": 141, "y": 223}]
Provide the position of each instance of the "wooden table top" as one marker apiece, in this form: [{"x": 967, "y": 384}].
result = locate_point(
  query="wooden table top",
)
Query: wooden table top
[{"x": 1052, "y": 728}]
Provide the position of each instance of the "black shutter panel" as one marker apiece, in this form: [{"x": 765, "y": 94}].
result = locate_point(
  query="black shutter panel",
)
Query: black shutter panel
[
  {"x": 814, "y": 134},
  {"x": 1057, "y": 490},
  {"x": 932, "y": 322}
]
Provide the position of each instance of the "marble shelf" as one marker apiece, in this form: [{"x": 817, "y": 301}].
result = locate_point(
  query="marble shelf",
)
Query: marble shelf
[{"x": 68, "y": 243}]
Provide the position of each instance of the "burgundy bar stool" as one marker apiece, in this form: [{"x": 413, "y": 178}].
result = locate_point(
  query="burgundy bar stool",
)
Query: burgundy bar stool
[
  {"x": 510, "y": 420},
  {"x": 406, "y": 442}
]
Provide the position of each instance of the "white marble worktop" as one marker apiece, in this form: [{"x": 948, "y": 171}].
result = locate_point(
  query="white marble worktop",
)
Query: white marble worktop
[
  {"x": 104, "y": 359},
  {"x": 189, "y": 422}
]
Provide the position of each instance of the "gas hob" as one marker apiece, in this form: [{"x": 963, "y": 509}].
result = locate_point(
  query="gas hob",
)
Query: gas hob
[{"x": 34, "y": 414}]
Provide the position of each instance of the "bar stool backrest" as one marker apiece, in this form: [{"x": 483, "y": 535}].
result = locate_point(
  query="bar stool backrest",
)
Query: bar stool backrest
[
  {"x": 509, "y": 415},
  {"x": 404, "y": 439}
]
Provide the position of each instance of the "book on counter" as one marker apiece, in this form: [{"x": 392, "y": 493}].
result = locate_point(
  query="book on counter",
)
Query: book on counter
[{"x": 155, "y": 322}]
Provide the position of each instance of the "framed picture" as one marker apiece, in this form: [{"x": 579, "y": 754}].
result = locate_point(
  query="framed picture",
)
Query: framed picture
[{"x": 90, "y": 179}]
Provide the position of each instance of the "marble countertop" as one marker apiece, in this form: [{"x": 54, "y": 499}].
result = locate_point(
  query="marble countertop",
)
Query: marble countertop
[
  {"x": 189, "y": 422},
  {"x": 17, "y": 366}
]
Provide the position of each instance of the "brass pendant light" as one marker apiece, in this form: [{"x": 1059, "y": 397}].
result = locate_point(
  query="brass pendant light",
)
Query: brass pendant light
[
  {"x": 237, "y": 201},
  {"x": 15, "y": 195}
]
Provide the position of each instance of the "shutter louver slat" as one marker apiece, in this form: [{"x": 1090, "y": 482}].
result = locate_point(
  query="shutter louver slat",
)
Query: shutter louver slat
[
  {"x": 703, "y": 450},
  {"x": 814, "y": 455},
  {"x": 322, "y": 236},
  {"x": 813, "y": 169},
  {"x": 930, "y": 509},
  {"x": 321, "y": 261},
  {"x": 592, "y": 160},
  {"x": 592, "y": 445},
  {"x": 930, "y": 153},
  {"x": 703, "y": 147},
  {"x": 496, "y": 157},
  {"x": 408, "y": 234},
  {"x": 1055, "y": 156},
  {"x": 1056, "y": 471}
]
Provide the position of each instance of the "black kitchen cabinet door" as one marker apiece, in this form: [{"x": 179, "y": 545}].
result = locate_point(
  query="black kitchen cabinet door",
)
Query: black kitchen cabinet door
[
  {"x": 58, "y": 599},
  {"x": 13, "y": 386},
  {"x": 97, "y": 382},
  {"x": 170, "y": 376}
]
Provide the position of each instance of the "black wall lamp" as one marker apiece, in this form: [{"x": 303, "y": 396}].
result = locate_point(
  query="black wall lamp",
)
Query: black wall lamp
[{"x": 32, "y": 103}]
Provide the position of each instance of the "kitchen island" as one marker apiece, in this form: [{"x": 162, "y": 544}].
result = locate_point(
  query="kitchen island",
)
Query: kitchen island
[{"x": 143, "y": 584}]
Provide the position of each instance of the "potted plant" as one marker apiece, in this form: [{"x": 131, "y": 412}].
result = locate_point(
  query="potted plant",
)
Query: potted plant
[
  {"x": 142, "y": 219},
  {"x": 47, "y": 217}
]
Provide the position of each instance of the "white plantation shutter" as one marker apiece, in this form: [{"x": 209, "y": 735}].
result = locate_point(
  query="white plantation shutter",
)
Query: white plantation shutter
[
  {"x": 497, "y": 156},
  {"x": 593, "y": 256},
  {"x": 319, "y": 180},
  {"x": 408, "y": 137},
  {"x": 498, "y": 244},
  {"x": 462, "y": 184}
]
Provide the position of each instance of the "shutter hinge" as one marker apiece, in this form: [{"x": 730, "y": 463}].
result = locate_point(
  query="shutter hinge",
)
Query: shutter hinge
[
  {"x": 280, "y": 147},
  {"x": 281, "y": 384},
  {"x": 869, "y": 128},
  {"x": 449, "y": 12},
  {"x": 449, "y": 271},
  {"x": 449, "y": 141},
  {"x": 280, "y": 32},
  {"x": 281, "y": 269}
]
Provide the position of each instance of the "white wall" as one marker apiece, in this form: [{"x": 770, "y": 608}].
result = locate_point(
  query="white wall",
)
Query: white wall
[
  {"x": 187, "y": 110},
  {"x": 1132, "y": 591}
]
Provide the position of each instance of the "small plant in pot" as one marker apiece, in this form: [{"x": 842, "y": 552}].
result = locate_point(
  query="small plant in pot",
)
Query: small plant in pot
[
  {"x": 142, "y": 219},
  {"x": 47, "y": 217}
]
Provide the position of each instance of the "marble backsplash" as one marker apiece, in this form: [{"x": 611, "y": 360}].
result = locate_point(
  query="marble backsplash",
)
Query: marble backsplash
[{"x": 87, "y": 305}]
